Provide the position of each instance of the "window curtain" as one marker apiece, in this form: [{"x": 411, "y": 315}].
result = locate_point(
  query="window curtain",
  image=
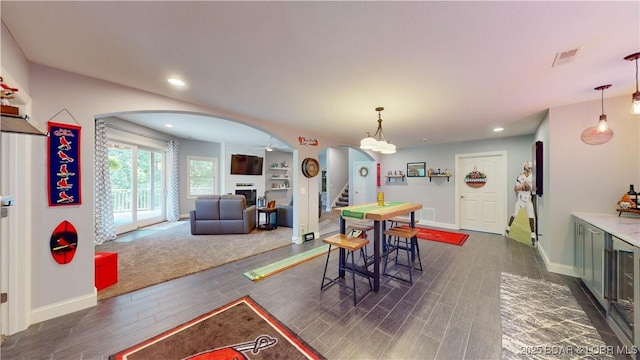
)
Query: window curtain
[
  {"x": 173, "y": 181},
  {"x": 105, "y": 229}
]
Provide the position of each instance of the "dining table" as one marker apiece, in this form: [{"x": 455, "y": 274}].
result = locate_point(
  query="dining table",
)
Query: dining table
[{"x": 379, "y": 215}]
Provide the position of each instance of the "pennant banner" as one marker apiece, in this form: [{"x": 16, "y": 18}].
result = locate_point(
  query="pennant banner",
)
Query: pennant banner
[{"x": 64, "y": 164}]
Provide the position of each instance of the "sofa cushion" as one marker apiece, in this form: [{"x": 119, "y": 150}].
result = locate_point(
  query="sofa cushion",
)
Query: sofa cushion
[
  {"x": 231, "y": 209},
  {"x": 207, "y": 208}
]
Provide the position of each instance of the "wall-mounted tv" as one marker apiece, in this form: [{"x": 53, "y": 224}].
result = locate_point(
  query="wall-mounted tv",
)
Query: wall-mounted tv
[{"x": 246, "y": 165}]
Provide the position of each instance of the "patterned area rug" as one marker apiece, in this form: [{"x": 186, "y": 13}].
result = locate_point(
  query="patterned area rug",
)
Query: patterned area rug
[
  {"x": 239, "y": 330},
  {"x": 542, "y": 320}
]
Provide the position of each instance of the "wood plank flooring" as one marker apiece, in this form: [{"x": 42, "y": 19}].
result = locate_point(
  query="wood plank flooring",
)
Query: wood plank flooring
[{"x": 452, "y": 311}]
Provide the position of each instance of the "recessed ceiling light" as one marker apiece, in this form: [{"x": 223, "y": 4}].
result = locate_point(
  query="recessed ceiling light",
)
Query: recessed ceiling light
[
  {"x": 425, "y": 139},
  {"x": 176, "y": 82},
  {"x": 498, "y": 129},
  {"x": 168, "y": 125}
]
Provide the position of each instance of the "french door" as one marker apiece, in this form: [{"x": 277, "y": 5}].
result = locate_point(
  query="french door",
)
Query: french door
[{"x": 137, "y": 186}]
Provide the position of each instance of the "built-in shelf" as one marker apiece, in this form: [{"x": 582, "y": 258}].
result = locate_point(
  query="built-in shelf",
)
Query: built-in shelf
[
  {"x": 280, "y": 168},
  {"x": 277, "y": 189}
]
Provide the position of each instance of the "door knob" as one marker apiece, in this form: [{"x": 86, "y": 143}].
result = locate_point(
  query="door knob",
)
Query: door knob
[{"x": 462, "y": 197}]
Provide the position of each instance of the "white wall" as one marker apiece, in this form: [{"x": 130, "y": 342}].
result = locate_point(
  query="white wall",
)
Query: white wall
[
  {"x": 439, "y": 194},
  {"x": 86, "y": 98},
  {"x": 589, "y": 178}
]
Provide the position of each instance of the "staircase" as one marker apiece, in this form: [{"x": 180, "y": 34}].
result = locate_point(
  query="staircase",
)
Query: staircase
[{"x": 343, "y": 200}]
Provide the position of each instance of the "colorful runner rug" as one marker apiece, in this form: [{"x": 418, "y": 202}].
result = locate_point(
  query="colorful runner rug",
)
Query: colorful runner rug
[
  {"x": 284, "y": 264},
  {"x": 358, "y": 212},
  {"x": 441, "y": 236},
  {"x": 239, "y": 330}
]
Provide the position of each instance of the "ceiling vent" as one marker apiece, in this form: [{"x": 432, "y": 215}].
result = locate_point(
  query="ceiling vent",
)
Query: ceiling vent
[{"x": 566, "y": 57}]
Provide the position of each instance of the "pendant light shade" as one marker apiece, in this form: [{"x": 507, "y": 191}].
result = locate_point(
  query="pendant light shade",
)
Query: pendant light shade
[
  {"x": 377, "y": 142},
  {"x": 602, "y": 123},
  {"x": 635, "y": 98}
]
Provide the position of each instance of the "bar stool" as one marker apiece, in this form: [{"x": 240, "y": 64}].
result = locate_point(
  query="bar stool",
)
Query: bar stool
[
  {"x": 402, "y": 239},
  {"x": 350, "y": 245}
]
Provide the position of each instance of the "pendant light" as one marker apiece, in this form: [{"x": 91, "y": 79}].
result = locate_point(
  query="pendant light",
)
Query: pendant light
[
  {"x": 635, "y": 98},
  {"x": 378, "y": 142},
  {"x": 602, "y": 124}
]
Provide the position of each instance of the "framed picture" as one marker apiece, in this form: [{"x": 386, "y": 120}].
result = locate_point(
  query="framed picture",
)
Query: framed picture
[{"x": 416, "y": 169}]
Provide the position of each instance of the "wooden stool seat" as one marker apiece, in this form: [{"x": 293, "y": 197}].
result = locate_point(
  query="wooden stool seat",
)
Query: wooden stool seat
[
  {"x": 345, "y": 242},
  {"x": 402, "y": 239},
  {"x": 402, "y": 220},
  {"x": 402, "y": 232},
  {"x": 349, "y": 245}
]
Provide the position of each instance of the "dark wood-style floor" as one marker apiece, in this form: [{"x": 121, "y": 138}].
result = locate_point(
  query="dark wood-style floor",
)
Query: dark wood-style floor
[{"x": 452, "y": 311}]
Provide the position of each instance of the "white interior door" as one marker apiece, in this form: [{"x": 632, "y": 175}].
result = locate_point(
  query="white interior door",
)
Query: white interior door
[
  {"x": 482, "y": 208},
  {"x": 363, "y": 180}
]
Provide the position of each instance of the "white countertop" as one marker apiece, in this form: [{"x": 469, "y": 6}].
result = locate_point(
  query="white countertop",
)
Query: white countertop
[{"x": 624, "y": 227}]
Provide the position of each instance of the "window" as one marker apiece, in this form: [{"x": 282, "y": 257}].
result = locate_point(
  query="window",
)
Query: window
[{"x": 202, "y": 176}]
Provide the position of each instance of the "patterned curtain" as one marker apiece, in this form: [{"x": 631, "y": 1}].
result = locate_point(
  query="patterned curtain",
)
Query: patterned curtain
[
  {"x": 173, "y": 181},
  {"x": 105, "y": 229}
]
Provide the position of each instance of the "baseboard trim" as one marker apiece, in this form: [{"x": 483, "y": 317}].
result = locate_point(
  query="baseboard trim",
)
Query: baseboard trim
[
  {"x": 555, "y": 267},
  {"x": 437, "y": 224},
  {"x": 64, "y": 307}
]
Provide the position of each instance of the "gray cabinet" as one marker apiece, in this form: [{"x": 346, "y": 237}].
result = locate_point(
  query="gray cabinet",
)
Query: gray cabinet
[{"x": 589, "y": 255}]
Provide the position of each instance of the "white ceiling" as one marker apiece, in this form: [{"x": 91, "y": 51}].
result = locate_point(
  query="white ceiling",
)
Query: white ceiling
[{"x": 445, "y": 71}]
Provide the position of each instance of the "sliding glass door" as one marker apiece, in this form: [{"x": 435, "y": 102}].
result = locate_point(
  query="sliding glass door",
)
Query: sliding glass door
[{"x": 137, "y": 186}]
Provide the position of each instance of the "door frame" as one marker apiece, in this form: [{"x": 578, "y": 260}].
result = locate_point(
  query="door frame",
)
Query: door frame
[
  {"x": 460, "y": 182},
  {"x": 368, "y": 183},
  {"x": 137, "y": 223}
]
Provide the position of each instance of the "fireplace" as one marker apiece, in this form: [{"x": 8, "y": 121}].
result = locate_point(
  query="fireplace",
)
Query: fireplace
[{"x": 249, "y": 194}]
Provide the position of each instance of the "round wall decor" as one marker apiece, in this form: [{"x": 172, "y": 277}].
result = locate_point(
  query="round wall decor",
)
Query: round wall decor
[
  {"x": 310, "y": 167},
  {"x": 364, "y": 171},
  {"x": 64, "y": 242}
]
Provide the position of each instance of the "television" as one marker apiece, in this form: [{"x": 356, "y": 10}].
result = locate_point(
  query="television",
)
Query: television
[{"x": 246, "y": 165}]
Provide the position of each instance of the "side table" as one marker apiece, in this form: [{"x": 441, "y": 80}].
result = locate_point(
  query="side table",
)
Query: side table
[{"x": 267, "y": 216}]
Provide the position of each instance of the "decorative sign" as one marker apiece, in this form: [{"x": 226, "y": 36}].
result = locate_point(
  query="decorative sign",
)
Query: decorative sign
[
  {"x": 64, "y": 164},
  {"x": 64, "y": 242},
  {"x": 475, "y": 178},
  {"x": 307, "y": 141}
]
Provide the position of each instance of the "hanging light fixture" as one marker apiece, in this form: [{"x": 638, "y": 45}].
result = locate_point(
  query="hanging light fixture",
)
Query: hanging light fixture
[
  {"x": 602, "y": 124},
  {"x": 635, "y": 98},
  {"x": 377, "y": 142}
]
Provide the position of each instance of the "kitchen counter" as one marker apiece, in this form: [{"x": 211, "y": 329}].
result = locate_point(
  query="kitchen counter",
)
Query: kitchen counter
[{"x": 623, "y": 227}]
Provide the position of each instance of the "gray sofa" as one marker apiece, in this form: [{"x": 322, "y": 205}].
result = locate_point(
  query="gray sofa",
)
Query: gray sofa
[{"x": 222, "y": 214}]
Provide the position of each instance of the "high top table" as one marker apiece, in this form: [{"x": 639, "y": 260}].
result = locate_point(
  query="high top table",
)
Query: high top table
[{"x": 379, "y": 215}]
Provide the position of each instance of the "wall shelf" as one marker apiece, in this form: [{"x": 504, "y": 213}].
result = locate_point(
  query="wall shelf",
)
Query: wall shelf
[
  {"x": 394, "y": 177},
  {"x": 278, "y": 189},
  {"x": 441, "y": 176},
  {"x": 20, "y": 125}
]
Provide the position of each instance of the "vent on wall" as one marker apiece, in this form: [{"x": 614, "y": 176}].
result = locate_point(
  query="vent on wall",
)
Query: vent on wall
[
  {"x": 428, "y": 214},
  {"x": 565, "y": 57}
]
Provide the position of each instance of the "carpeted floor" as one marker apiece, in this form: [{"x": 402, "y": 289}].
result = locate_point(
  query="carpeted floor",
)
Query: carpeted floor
[
  {"x": 167, "y": 254},
  {"x": 168, "y": 250},
  {"x": 542, "y": 320}
]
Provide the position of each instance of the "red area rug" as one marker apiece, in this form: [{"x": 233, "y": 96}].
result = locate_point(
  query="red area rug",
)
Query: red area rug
[
  {"x": 441, "y": 236},
  {"x": 239, "y": 330}
]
